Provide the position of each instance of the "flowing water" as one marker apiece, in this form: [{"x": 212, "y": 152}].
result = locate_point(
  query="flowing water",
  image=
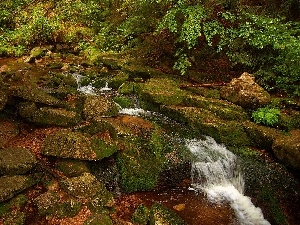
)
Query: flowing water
[{"x": 215, "y": 172}]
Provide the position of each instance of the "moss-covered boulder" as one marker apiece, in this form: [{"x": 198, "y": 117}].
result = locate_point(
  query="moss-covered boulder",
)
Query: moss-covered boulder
[
  {"x": 8, "y": 130},
  {"x": 223, "y": 109},
  {"x": 245, "y": 92},
  {"x": 87, "y": 186},
  {"x": 287, "y": 149},
  {"x": 99, "y": 219},
  {"x": 36, "y": 53},
  {"x": 55, "y": 117},
  {"x": 161, "y": 91},
  {"x": 141, "y": 215},
  {"x": 47, "y": 203},
  {"x": 16, "y": 161},
  {"x": 208, "y": 123},
  {"x": 72, "y": 167},
  {"x": 260, "y": 136},
  {"x": 12, "y": 185},
  {"x": 77, "y": 145},
  {"x": 161, "y": 215},
  {"x": 27, "y": 109},
  {"x": 33, "y": 94},
  {"x": 3, "y": 99},
  {"x": 69, "y": 208},
  {"x": 99, "y": 106},
  {"x": 14, "y": 217}
]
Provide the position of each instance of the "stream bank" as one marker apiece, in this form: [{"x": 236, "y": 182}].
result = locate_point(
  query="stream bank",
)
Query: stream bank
[{"x": 81, "y": 140}]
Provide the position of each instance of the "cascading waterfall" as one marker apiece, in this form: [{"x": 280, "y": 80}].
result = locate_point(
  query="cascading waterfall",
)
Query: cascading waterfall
[{"x": 215, "y": 172}]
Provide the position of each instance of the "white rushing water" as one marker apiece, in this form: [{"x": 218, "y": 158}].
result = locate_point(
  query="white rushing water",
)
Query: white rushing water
[
  {"x": 133, "y": 111},
  {"x": 215, "y": 172}
]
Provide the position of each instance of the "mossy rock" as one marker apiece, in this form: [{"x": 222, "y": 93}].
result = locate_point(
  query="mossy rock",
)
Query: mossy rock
[
  {"x": 223, "y": 109},
  {"x": 47, "y": 203},
  {"x": 15, "y": 218},
  {"x": 12, "y": 185},
  {"x": 287, "y": 149},
  {"x": 124, "y": 101},
  {"x": 127, "y": 88},
  {"x": 68, "y": 208},
  {"x": 55, "y": 117},
  {"x": 208, "y": 123},
  {"x": 55, "y": 65},
  {"x": 99, "y": 219},
  {"x": 36, "y": 53},
  {"x": 27, "y": 109},
  {"x": 161, "y": 215},
  {"x": 141, "y": 215},
  {"x": 117, "y": 80},
  {"x": 76, "y": 145},
  {"x": 3, "y": 99},
  {"x": 260, "y": 136},
  {"x": 16, "y": 161},
  {"x": 98, "y": 125},
  {"x": 289, "y": 120},
  {"x": 87, "y": 186},
  {"x": 33, "y": 94},
  {"x": 15, "y": 203},
  {"x": 161, "y": 91},
  {"x": 139, "y": 168},
  {"x": 8, "y": 130},
  {"x": 72, "y": 167},
  {"x": 99, "y": 106}
]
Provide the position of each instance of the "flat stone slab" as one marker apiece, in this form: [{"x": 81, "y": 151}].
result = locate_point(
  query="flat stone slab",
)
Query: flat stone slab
[
  {"x": 12, "y": 185},
  {"x": 16, "y": 161}
]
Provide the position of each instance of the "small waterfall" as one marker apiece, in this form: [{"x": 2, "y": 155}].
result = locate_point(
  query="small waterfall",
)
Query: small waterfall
[
  {"x": 88, "y": 89},
  {"x": 215, "y": 172},
  {"x": 105, "y": 88}
]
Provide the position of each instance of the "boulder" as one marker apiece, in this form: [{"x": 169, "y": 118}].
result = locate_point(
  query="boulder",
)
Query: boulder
[
  {"x": 55, "y": 117},
  {"x": 16, "y": 161},
  {"x": 161, "y": 215},
  {"x": 99, "y": 106},
  {"x": 8, "y": 130},
  {"x": 99, "y": 219},
  {"x": 12, "y": 185},
  {"x": 87, "y": 186},
  {"x": 35, "y": 53},
  {"x": 287, "y": 149},
  {"x": 76, "y": 145},
  {"x": 245, "y": 92},
  {"x": 3, "y": 99},
  {"x": 47, "y": 203}
]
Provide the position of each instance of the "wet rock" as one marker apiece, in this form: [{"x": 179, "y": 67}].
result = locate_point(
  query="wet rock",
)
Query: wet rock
[
  {"x": 245, "y": 92},
  {"x": 55, "y": 117},
  {"x": 3, "y": 99},
  {"x": 98, "y": 219},
  {"x": 87, "y": 186},
  {"x": 33, "y": 94},
  {"x": 208, "y": 123},
  {"x": 223, "y": 109},
  {"x": 141, "y": 215},
  {"x": 14, "y": 217},
  {"x": 35, "y": 53},
  {"x": 76, "y": 145},
  {"x": 12, "y": 185},
  {"x": 27, "y": 109},
  {"x": 160, "y": 215},
  {"x": 47, "y": 203},
  {"x": 261, "y": 136},
  {"x": 16, "y": 161},
  {"x": 99, "y": 106},
  {"x": 287, "y": 149},
  {"x": 72, "y": 168},
  {"x": 8, "y": 130}
]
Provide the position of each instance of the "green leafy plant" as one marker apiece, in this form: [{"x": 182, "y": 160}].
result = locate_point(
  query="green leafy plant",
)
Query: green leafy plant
[{"x": 268, "y": 116}]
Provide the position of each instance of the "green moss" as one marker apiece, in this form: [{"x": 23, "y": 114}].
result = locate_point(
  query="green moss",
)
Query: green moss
[
  {"x": 68, "y": 209},
  {"x": 139, "y": 168},
  {"x": 14, "y": 217},
  {"x": 99, "y": 219},
  {"x": 27, "y": 109},
  {"x": 141, "y": 215},
  {"x": 56, "y": 117},
  {"x": 162, "y": 215},
  {"x": 102, "y": 148},
  {"x": 72, "y": 168},
  {"x": 127, "y": 88},
  {"x": 124, "y": 102}
]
